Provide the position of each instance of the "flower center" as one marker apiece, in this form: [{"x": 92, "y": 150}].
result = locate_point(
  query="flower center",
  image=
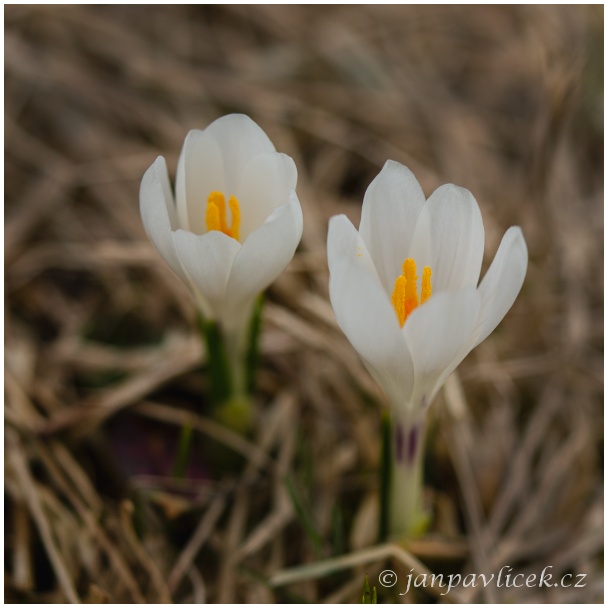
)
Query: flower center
[
  {"x": 215, "y": 217},
  {"x": 405, "y": 293}
]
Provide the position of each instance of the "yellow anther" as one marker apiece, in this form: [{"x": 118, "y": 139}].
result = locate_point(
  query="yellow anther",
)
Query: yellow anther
[
  {"x": 398, "y": 299},
  {"x": 215, "y": 217},
  {"x": 217, "y": 199},
  {"x": 212, "y": 217},
  {"x": 411, "y": 289},
  {"x": 235, "y": 210},
  {"x": 405, "y": 293},
  {"x": 427, "y": 289}
]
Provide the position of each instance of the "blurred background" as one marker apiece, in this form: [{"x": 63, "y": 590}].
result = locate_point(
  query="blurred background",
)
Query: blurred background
[{"x": 103, "y": 363}]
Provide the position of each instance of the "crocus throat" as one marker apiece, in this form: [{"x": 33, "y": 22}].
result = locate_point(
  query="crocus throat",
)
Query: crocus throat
[
  {"x": 215, "y": 217},
  {"x": 405, "y": 293}
]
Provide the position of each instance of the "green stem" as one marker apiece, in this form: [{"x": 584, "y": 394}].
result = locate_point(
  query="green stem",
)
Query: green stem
[
  {"x": 407, "y": 517},
  {"x": 232, "y": 356},
  {"x": 386, "y": 461},
  {"x": 218, "y": 360},
  {"x": 253, "y": 345}
]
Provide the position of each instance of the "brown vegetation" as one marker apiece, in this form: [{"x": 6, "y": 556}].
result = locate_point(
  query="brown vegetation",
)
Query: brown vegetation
[{"x": 102, "y": 361}]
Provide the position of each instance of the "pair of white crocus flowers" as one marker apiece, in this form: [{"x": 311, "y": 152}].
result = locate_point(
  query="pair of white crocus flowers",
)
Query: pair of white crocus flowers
[
  {"x": 236, "y": 221},
  {"x": 404, "y": 287}
]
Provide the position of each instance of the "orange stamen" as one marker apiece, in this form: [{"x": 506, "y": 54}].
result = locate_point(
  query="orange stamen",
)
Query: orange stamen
[
  {"x": 411, "y": 290},
  {"x": 427, "y": 289},
  {"x": 235, "y": 210},
  {"x": 405, "y": 293},
  {"x": 398, "y": 299},
  {"x": 215, "y": 217},
  {"x": 212, "y": 217}
]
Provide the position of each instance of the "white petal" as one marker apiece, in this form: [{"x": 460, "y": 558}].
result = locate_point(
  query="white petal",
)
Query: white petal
[
  {"x": 449, "y": 237},
  {"x": 344, "y": 240},
  {"x": 391, "y": 207},
  {"x": 364, "y": 312},
  {"x": 264, "y": 184},
  {"x": 158, "y": 213},
  {"x": 200, "y": 171},
  {"x": 264, "y": 255},
  {"x": 239, "y": 139},
  {"x": 207, "y": 260},
  {"x": 437, "y": 333},
  {"x": 502, "y": 282}
]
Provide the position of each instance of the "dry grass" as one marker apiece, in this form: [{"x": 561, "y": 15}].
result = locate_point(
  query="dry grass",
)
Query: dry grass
[{"x": 102, "y": 364}]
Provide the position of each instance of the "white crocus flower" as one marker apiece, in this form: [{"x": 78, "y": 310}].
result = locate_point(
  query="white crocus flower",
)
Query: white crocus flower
[
  {"x": 234, "y": 224},
  {"x": 412, "y": 331}
]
